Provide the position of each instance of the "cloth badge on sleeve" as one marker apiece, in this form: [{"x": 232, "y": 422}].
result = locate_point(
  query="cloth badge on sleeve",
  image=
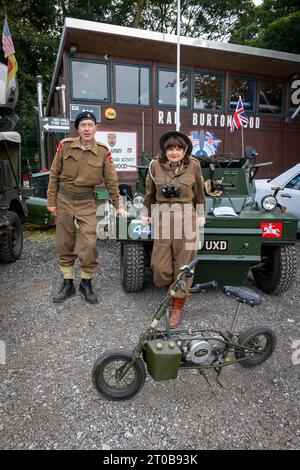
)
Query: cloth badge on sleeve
[{"x": 59, "y": 148}]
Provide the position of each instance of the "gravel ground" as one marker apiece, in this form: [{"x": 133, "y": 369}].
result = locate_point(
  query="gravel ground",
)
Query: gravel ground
[{"x": 47, "y": 397}]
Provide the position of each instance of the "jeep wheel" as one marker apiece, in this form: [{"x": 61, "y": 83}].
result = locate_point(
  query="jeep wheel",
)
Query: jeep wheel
[
  {"x": 279, "y": 271},
  {"x": 132, "y": 266},
  {"x": 11, "y": 243}
]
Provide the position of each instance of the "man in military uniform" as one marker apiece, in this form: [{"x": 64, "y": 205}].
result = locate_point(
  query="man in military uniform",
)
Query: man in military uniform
[{"x": 80, "y": 163}]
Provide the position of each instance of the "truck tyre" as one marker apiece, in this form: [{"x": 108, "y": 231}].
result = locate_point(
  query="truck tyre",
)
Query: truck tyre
[
  {"x": 279, "y": 271},
  {"x": 11, "y": 243},
  {"x": 132, "y": 266}
]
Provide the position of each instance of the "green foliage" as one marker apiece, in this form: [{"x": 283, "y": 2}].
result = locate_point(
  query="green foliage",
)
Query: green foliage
[
  {"x": 120, "y": 12},
  {"x": 209, "y": 19},
  {"x": 282, "y": 34},
  {"x": 275, "y": 24},
  {"x": 33, "y": 26}
]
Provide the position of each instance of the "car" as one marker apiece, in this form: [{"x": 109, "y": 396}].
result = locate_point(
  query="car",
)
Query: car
[{"x": 288, "y": 195}]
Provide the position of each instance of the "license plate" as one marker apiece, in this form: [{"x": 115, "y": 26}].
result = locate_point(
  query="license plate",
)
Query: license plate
[{"x": 215, "y": 245}]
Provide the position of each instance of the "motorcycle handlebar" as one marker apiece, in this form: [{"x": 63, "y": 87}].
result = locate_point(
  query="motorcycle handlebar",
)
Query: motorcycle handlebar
[
  {"x": 194, "y": 262},
  {"x": 204, "y": 286},
  {"x": 224, "y": 185}
]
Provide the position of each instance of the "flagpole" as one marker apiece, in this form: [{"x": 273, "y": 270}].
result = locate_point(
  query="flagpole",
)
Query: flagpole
[
  {"x": 242, "y": 141},
  {"x": 178, "y": 70},
  {"x": 242, "y": 133}
]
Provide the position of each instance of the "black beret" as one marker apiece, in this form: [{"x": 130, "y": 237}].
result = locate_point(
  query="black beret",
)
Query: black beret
[
  {"x": 84, "y": 115},
  {"x": 187, "y": 140}
]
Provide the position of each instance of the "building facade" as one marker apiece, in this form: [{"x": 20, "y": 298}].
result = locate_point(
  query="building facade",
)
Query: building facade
[{"x": 127, "y": 77}]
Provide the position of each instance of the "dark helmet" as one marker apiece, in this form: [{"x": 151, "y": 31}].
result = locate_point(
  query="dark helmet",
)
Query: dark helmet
[
  {"x": 184, "y": 137},
  {"x": 84, "y": 115}
]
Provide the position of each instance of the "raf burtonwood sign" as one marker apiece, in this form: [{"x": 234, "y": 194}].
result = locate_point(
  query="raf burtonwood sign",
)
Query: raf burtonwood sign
[{"x": 205, "y": 119}]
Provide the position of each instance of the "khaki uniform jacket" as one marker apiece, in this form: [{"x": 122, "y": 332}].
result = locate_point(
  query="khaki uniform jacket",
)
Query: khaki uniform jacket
[
  {"x": 78, "y": 170},
  {"x": 189, "y": 180}
]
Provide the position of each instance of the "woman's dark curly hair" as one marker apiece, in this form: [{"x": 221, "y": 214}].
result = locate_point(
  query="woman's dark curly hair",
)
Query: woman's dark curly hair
[{"x": 173, "y": 141}]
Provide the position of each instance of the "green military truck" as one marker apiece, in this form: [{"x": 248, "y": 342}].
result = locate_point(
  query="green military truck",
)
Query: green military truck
[
  {"x": 12, "y": 196},
  {"x": 239, "y": 238},
  {"x": 12, "y": 201}
]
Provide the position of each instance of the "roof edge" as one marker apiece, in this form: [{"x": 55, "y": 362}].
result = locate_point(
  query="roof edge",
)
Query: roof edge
[
  {"x": 172, "y": 39},
  {"x": 57, "y": 63}
]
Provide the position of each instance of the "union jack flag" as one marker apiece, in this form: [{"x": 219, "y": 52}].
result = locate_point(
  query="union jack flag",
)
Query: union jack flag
[
  {"x": 239, "y": 118},
  {"x": 7, "y": 43},
  {"x": 211, "y": 140}
]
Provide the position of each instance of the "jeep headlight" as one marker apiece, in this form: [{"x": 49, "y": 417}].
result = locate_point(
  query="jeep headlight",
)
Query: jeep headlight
[
  {"x": 269, "y": 202},
  {"x": 138, "y": 201}
]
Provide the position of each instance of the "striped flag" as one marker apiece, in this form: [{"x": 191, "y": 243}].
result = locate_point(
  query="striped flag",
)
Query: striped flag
[
  {"x": 239, "y": 118},
  {"x": 7, "y": 43},
  {"x": 12, "y": 67},
  {"x": 9, "y": 51}
]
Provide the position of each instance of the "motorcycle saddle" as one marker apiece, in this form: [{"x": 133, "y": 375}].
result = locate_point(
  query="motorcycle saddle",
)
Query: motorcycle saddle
[{"x": 243, "y": 294}]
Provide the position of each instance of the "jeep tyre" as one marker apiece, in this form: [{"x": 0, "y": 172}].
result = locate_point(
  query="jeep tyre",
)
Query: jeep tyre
[
  {"x": 132, "y": 266},
  {"x": 11, "y": 243},
  {"x": 279, "y": 271}
]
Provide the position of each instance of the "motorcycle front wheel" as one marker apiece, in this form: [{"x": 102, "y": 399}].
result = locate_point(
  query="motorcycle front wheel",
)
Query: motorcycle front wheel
[
  {"x": 258, "y": 344},
  {"x": 106, "y": 375}
]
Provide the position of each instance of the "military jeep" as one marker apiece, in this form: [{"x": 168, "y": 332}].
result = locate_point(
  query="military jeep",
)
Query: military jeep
[
  {"x": 12, "y": 201},
  {"x": 239, "y": 238}
]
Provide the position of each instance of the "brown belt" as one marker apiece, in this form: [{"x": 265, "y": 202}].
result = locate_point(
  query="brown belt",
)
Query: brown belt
[{"x": 76, "y": 196}]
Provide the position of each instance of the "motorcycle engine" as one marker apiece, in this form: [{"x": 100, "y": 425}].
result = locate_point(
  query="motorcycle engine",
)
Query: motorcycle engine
[{"x": 201, "y": 351}]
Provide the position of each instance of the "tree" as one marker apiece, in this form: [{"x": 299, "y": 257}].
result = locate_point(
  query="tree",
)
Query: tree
[
  {"x": 210, "y": 19},
  {"x": 33, "y": 29},
  {"x": 273, "y": 25}
]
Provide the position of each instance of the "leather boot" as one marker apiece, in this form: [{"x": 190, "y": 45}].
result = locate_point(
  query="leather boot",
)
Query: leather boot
[
  {"x": 86, "y": 289},
  {"x": 177, "y": 312},
  {"x": 67, "y": 290}
]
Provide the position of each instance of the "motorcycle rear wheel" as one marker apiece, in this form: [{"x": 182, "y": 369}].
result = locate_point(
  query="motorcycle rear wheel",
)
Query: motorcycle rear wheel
[
  {"x": 106, "y": 370},
  {"x": 262, "y": 342}
]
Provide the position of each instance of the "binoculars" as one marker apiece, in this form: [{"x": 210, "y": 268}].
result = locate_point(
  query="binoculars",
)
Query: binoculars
[{"x": 170, "y": 191}]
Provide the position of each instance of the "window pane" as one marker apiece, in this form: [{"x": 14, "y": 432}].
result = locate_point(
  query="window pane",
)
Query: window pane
[
  {"x": 144, "y": 96},
  {"x": 89, "y": 81},
  {"x": 294, "y": 183},
  {"x": 244, "y": 88},
  {"x": 167, "y": 88},
  {"x": 208, "y": 91},
  {"x": 270, "y": 97},
  {"x": 127, "y": 84},
  {"x": 132, "y": 84},
  {"x": 294, "y": 96}
]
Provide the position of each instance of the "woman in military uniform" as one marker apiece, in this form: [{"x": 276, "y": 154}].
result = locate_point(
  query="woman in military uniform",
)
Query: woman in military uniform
[{"x": 174, "y": 203}]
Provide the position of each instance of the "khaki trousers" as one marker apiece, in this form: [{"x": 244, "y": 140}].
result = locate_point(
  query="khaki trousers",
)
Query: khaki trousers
[
  {"x": 174, "y": 250},
  {"x": 68, "y": 245}
]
